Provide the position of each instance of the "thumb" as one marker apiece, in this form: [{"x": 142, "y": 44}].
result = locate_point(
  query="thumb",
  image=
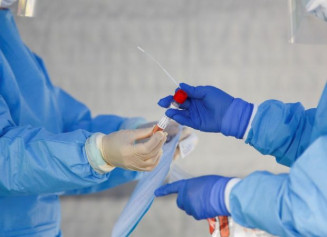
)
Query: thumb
[
  {"x": 142, "y": 133},
  {"x": 197, "y": 92},
  {"x": 165, "y": 102},
  {"x": 169, "y": 188}
]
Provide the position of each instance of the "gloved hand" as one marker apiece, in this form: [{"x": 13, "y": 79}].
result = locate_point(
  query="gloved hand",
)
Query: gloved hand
[
  {"x": 210, "y": 109},
  {"x": 6, "y": 3},
  {"x": 172, "y": 130},
  {"x": 120, "y": 150},
  {"x": 202, "y": 197}
]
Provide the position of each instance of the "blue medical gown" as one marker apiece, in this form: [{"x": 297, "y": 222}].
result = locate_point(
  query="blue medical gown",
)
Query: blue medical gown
[
  {"x": 42, "y": 135},
  {"x": 293, "y": 204}
]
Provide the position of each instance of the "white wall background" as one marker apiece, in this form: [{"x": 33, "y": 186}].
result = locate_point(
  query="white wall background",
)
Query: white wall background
[{"x": 240, "y": 46}]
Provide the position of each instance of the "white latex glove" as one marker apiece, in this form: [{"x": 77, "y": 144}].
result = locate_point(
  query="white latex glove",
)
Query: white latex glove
[
  {"x": 7, "y": 3},
  {"x": 172, "y": 129},
  {"x": 119, "y": 149}
]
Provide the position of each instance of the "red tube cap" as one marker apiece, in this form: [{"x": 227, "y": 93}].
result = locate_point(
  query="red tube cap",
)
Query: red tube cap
[{"x": 180, "y": 96}]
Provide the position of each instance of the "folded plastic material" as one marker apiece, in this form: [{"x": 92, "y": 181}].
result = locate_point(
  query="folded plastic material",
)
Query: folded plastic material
[
  {"x": 308, "y": 21},
  {"x": 143, "y": 195}
]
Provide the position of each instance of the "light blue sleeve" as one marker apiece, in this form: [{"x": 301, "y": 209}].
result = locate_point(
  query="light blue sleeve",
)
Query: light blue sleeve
[
  {"x": 75, "y": 115},
  {"x": 35, "y": 161},
  {"x": 281, "y": 130},
  {"x": 292, "y": 204}
]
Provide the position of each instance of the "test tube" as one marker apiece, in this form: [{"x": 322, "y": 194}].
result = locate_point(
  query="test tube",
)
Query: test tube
[
  {"x": 178, "y": 99},
  {"x": 26, "y": 8}
]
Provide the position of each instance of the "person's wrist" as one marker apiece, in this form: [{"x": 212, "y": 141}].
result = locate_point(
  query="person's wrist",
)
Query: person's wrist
[
  {"x": 228, "y": 189},
  {"x": 94, "y": 154},
  {"x": 236, "y": 118},
  {"x": 247, "y": 130},
  {"x": 217, "y": 196}
]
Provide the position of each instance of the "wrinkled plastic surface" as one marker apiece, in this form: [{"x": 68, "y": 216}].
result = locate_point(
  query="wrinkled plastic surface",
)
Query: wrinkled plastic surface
[
  {"x": 307, "y": 26},
  {"x": 143, "y": 195}
]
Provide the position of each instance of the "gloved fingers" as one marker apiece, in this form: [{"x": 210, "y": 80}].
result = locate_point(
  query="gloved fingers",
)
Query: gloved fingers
[
  {"x": 153, "y": 153},
  {"x": 185, "y": 105},
  {"x": 193, "y": 92},
  {"x": 150, "y": 164},
  {"x": 147, "y": 165},
  {"x": 141, "y": 133},
  {"x": 172, "y": 112},
  {"x": 180, "y": 116},
  {"x": 158, "y": 148},
  {"x": 165, "y": 102},
  {"x": 154, "y": 143},
  {"x": 180, "y": 202},
  {"x": 169, "y": 188}
]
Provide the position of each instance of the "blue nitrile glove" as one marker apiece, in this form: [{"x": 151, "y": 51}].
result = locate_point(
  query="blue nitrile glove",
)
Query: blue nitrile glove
[
  {"x": 202, "y": 197},
  {"x": 210, "y": 109}
]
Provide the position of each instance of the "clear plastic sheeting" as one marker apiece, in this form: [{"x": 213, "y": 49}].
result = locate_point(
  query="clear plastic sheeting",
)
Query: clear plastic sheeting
[
  {"x": 143, "y": 195},
  {"x": 26, "y": 8},
  {"x": 308, "y": 21}
]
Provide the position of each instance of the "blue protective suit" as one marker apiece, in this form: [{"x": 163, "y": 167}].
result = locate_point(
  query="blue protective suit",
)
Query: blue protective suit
[
  {"x": 42, "y": 135},
  {"x": 293, "y": 204}
]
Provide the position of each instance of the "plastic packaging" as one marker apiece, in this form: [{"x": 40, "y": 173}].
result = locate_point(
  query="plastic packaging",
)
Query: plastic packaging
[
  {"x": 143, "y": 195},
  {"x": 308, "y": 21}
]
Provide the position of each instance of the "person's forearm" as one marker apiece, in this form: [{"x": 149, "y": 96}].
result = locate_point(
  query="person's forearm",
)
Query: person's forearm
[
  {"x": 281, "y": 130},
  {"x": 42, "y": 162},
  {"x": 254, "y": 202},
  {"x": 286, "y": 204}
]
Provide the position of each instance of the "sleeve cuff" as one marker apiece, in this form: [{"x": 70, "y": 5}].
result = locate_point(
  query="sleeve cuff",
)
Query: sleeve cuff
[
  {"x": 230, "y": 185},
  {"x": 94, "y": 156},
  {"x": 254, "y": 111}
]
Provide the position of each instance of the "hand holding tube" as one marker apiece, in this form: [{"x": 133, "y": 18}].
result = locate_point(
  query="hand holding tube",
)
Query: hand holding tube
[
  {"x": 119, "y": 149},
  {"x": 210, "y": 109}
]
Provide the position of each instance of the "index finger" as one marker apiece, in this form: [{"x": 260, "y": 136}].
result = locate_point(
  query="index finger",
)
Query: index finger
[
  {"x": 152, "y": 144},
  {"x": 169, "y": 188}
]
